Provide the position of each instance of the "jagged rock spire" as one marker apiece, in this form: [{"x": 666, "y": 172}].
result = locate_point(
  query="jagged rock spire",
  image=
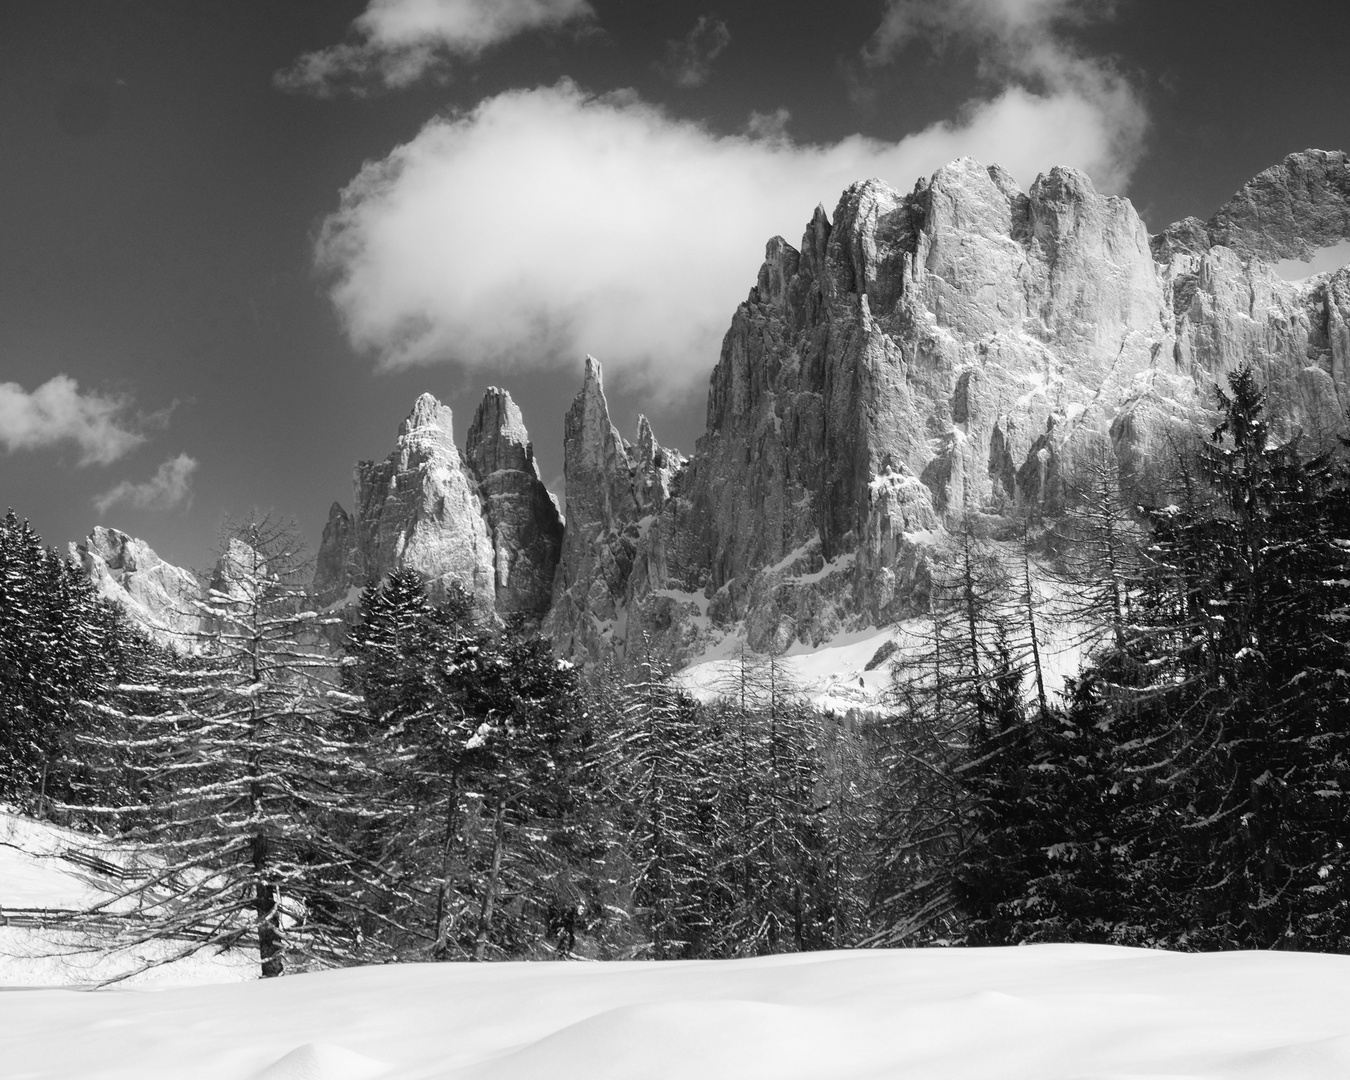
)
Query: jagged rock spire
[
  {"x": 417, "y": 509},
  {"x": 522, "y": 519}
]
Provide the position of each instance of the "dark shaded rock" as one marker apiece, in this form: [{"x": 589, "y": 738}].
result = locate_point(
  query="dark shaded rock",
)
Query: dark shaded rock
[{"x": 523, "y": 521}]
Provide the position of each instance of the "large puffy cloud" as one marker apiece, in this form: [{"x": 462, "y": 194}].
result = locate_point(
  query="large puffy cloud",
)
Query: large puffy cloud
[
  {"x": 549, "y": 222},
  {"x": 398, "y": 42},
  {"x": 169, "y": 487},
  {"x": 58, "y": 413}
]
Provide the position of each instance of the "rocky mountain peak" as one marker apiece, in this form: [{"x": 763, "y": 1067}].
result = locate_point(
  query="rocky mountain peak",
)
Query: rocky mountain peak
[
  {"x": 428, "y": 414},
  {"x": 159, "y": 596},
  {"x": 958, "y": 349},
  {"x": 419, "y": 508},
  {"x": 481, "y": 519},
  {"x": 497, "y": 436},
  {"x": 1290, "y": 209},
  {"x": 522, "y": 519},
  {"x": 614, "y": 491}
]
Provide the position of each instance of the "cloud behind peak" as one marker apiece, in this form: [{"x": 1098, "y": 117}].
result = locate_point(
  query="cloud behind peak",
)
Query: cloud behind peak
[{"x": 550, "y": 222}]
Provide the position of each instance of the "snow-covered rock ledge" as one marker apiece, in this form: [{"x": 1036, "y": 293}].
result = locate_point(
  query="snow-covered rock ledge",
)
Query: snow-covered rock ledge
[{"x": 1048, "y": 1011}]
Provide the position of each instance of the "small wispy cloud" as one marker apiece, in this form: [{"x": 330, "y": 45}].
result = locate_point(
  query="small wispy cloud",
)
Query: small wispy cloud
[
  {"x": 689, "y": 60},
  {"x": 57, "y": 413},
  {"x": 768, "y": 125},
  {"x": 169, "y": 487},
  {"x": 397, "y": 42}
]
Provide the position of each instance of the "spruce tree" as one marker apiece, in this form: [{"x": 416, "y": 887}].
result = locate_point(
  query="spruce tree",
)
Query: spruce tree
[
  {"x": 481, "y": 750},
  {"x": 63, "y": 650}
]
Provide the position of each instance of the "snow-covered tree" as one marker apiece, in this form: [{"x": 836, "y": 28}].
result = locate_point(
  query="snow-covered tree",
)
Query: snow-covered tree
[
  {"x": 246, "y": 765},
  {"x": 62, "y": 652},
  {"x": 478, "y": 741}
]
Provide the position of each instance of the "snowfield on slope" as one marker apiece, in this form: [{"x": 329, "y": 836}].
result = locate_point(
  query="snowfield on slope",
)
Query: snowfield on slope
[{"x": 1047, "y": 1012}]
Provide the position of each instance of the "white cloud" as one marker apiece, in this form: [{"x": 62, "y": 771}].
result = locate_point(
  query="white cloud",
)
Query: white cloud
[
  {"x": 57, "y": 412},
  {"x": 170, "y": 486},
  {"x": 689, "y": 60},
  {"x": 401, "y": 41},
  {"x": 550, "y": 222},
  {"x": 1020, "y": 42}
]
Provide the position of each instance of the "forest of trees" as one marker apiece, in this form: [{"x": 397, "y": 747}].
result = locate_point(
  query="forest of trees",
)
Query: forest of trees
[{"x": 410, "y": 781}]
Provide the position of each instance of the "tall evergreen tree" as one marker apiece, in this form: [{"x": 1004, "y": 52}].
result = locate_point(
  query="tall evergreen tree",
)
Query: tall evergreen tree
[
  {"x": 481, "y": 748},
  {"x": 63, "y": 650},
  {"x": 247, "y": 766}
]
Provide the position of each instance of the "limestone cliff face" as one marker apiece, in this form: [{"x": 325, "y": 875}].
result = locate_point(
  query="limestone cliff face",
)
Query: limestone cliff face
[
  {"x": 522, "y": 519},
  {"x": 481, "y": 520},
  {"x": 158, "y": 596},
  {"x": 924, "y": 355},
  {"x": 613, "y": 491},
  {"x": 918, "y": 356}
]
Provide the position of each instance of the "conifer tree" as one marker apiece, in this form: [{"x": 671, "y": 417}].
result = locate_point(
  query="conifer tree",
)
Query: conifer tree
[
  {"x": 667, "y": 803},
  {"x": 945, "y": 688},
  {"x": 1192, "y": 793},
  {"x": 765, "y": 756},
  {"x": 479, "y": 742},
  {"x": 246, "y": 766},
  {"x": 62, "y": 651}
]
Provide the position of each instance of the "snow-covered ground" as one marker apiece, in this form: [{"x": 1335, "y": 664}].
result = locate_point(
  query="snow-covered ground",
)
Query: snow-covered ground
[
  {"x": 45, "y": 871},
  {"x": 1050, "y": 1012},
  {"x": 835, "y": 676}
]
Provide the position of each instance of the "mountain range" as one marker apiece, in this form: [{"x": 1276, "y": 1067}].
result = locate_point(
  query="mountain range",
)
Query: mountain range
[{"x": 916, "y": 358}]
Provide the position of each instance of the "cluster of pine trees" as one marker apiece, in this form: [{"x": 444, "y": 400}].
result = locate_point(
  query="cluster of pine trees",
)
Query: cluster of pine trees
[
  {"x": 1190, "y": 790},
  {"x": 413, "y": 783}
]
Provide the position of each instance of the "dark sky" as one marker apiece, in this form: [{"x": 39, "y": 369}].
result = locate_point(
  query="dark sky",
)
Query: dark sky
[{"x": 162, "y": 199}]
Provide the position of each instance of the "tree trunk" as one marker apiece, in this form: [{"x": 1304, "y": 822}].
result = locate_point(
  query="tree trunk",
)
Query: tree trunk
[
  {"x": 267, "y": 907},
  {"x": 441, "y": 949},
  {"x": 490, "y": 893}
]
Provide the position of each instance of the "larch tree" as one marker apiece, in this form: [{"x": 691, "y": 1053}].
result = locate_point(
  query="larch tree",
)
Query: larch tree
[{"x": 247, "y": 766}]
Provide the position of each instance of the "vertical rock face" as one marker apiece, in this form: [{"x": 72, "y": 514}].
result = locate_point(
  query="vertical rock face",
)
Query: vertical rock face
[
  {"x": 419, "y": 509},
  {"x": 482, "y": 520},
  {"x": 918, "y": 357},
  {"x": 158, "y": 596},
  {"x": 1289, "y": 210},
  {"x": 523, "y": 522},
  {"x": 601, "y": 534},
  {"x": 336, "y": 569},
  {"x": 945, "y": 351}
]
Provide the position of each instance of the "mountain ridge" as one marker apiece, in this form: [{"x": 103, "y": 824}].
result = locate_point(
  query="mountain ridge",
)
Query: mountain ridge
[{"x": 919, "y": 356}]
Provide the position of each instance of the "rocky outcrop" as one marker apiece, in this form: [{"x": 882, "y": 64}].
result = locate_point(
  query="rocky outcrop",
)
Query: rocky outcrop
[
  {"x": 949, "y": 351},
  {"x": 156, "y": 595},
  {"x": 919, "y": 357},
  {"x": 523, "y": 521},
  {"x": 1290, "y": 210},
  {"x": 419, "y": 509},
  {"x": 481, "y": 520},
  {"x": 606, "y": 500}
]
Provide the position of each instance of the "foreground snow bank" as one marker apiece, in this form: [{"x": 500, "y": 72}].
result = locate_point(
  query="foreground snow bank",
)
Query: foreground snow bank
[{"x": 1039, "y": 1013}]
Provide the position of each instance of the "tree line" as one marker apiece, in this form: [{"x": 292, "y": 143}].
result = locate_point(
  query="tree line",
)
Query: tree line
[{"x": 412, "y": 782}]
